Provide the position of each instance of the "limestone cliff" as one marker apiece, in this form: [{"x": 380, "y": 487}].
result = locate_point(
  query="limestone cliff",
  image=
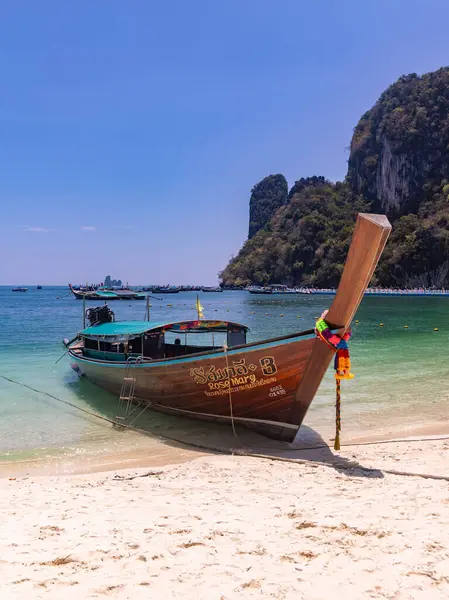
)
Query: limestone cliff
[
  {"x": 400, "y": 148},
  {"x": 266, "y": 197}
]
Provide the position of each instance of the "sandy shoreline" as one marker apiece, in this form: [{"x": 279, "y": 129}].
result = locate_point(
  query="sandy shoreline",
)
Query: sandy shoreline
[
  {"x": 224, "y": 527},
  {"x": 151, "y": 451}
]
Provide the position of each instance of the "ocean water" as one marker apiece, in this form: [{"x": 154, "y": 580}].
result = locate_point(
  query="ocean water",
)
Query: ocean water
[{"x": 402, "y": 374}]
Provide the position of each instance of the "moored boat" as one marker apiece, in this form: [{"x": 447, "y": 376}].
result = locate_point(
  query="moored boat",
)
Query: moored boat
[
  {"x": 257, "y": 289},
  {"x": 166, "y": 290},
  {"x": 205, "y": 369},
  {"x": 20, "y": 289},
  {"x": 102, "y": 294},
  {"x": 276, "y": 288},
  {"x": 215, "y": 288}
]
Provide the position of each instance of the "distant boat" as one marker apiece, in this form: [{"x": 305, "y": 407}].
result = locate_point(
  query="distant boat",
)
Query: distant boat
[
  {"x": 39, "y": 287},
  {"x": 215, "y": 288},
  {"x": 276, "y": 288},
  {"x": 265, "y": 385},
  {"x": 100, "y": 294},
  {"x": 20, "y": 289},
  {"x": 257, "y": 289},
  {"x": 284, "y": 289},
  {"x": 169, "y": 289}
]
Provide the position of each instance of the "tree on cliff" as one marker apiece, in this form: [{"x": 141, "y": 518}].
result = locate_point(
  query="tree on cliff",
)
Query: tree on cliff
[{"x": 266, "y": 197}]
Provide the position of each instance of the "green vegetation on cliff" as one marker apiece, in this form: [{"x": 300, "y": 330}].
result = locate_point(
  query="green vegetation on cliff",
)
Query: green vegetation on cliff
[{"x": 399, "y": 163}]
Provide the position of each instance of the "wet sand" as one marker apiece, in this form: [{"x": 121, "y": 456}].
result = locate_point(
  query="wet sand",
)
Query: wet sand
[{"x": 199, "y": 439}]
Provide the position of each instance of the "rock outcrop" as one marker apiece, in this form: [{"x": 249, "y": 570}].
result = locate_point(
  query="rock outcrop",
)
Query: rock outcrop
[
  {"x": 266, "y": 197},
  {"x": 108, "y": 282}
]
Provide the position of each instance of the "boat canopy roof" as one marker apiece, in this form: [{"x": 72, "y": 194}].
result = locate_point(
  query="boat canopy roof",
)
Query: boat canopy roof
[
  {"x": 123, "y": 330},
  {"x": 103, "y": 294}
]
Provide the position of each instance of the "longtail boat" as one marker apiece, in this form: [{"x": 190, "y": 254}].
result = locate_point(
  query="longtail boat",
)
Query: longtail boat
[
  {"x": 103, "y": 294},
  {"x": 169, "y": 289},
  {"x": 266, "y": 386}
]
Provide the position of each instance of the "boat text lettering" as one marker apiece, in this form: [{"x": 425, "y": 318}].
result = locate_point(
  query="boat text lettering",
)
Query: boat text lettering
[
  {"x": 236, "y": 373},
  {"x": 221, "y": 385}
]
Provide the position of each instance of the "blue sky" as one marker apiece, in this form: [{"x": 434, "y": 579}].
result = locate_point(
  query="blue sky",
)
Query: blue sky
[{"x": 132, "y": 132}]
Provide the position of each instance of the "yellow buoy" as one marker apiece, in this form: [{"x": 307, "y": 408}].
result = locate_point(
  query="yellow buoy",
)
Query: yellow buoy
[
  {"x": 381, "y": 325},
  {"x": 356, "y": 321},
  {"x": 405, "y": 326},
  {"x": 281, "y": 315},
  {"x": 298, "y": 317},
  {"x": 435, "y": 328}
]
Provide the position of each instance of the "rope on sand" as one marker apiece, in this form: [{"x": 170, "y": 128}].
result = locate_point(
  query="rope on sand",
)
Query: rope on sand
[{"x": 333, "y": 465}]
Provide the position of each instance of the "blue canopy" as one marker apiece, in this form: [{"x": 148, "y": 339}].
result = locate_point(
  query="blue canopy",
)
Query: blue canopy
[
  {"x": 123, "y": 330},
  {"x": 106, "y": 294}
]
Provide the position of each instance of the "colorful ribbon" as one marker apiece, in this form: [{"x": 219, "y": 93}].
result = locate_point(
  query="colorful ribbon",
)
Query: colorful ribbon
[{"x": 339, "y": 344}]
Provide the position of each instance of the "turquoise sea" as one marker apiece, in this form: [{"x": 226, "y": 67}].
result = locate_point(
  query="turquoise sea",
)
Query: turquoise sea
[{"x": 401, "y": 384}]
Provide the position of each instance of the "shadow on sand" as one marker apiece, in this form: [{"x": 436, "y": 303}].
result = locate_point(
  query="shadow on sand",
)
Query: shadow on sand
[{"x": 177, "y": 432}]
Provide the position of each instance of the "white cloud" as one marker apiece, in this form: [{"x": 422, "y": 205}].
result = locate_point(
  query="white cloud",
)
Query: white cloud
[
  {"x": 37, "y": 229},
  {"x": 88, "y": 228}
]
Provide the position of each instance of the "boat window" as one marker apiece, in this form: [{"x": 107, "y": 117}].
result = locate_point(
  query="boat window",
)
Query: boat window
[
  {"x": 135, "y": 346},
  {"x": 153, "y": 345},
  {"x": 90, "y": 344},
  {"x": 104, "y": 346},
  {"x": 236, "y": 337},
  {"x": 178, "y": 343}
]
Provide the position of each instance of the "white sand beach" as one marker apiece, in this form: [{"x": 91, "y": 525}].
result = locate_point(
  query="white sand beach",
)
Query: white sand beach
[{"x": 225, "y": 527}]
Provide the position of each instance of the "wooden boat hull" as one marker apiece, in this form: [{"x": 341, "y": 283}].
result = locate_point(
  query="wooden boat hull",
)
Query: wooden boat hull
[{"x": 256, "y": 386}]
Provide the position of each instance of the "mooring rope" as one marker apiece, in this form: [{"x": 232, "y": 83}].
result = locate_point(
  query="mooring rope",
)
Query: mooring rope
[
  {"x": 234, "y": 452},
  {"x": 337, "y": 414},
  {"x": 231, "y": 412}
]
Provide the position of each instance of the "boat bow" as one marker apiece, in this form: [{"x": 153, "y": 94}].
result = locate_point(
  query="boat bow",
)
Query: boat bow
[{"x": 368, "y": 241}]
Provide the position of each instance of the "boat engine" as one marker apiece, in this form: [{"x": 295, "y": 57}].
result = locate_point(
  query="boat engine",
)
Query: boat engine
[{"x": 100, "y": 314}]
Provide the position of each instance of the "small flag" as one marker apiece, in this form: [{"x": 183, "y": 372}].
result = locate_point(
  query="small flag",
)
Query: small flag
[{"x": 199, "y": 308}]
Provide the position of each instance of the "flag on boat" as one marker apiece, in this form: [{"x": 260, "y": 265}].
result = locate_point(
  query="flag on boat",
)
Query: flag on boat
[{"x": 199, "y": 308}]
